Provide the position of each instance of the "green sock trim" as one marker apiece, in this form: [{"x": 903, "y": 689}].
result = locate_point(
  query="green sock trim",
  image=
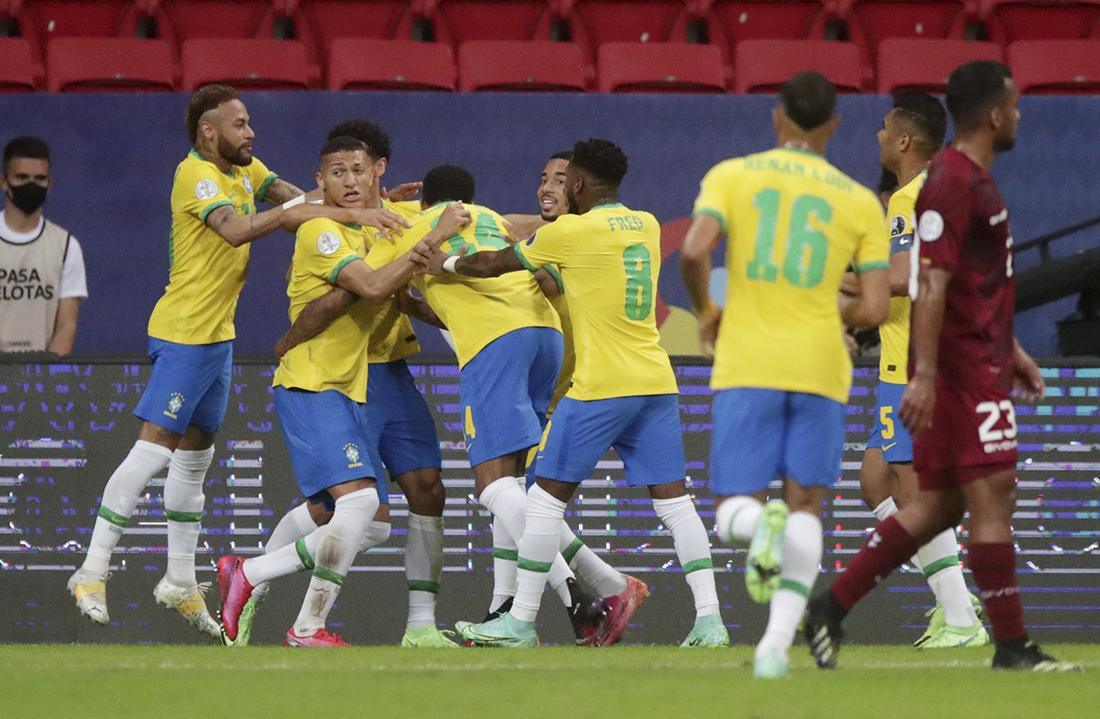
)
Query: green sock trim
[
  {"x": 328, "y": 575},
  {"x": 940, "y": 564},
  {"x": 696, "y": 564},
  {"x": 792, "y": 586},
  {"x": 113, "y": 517},
  {"x": 303, "y": 554},
  {"x": 532, "y": 566},
  {"x": 423, "y": 585},
  {"x": 504, "y": 553},
  {"x": 174, "y": 516},
  {"x": 571, "y": 551}
]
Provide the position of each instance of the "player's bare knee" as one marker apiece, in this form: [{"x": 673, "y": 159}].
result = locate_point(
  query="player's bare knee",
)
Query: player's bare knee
[
  {"x": 424, "y": 490},
  {"x": 668, "y": 490},
  {"x": 803, "y": 499}
]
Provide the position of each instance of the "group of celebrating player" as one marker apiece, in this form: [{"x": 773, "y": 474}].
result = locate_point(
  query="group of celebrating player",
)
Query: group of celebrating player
[{"x": 559, "y": 360}]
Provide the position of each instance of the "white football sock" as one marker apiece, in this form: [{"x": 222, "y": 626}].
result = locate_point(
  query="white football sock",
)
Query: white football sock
[
  {"x": 349, "y": 524},
  {"x": 594, "y": 573},
  {"x": 377, "y": 534},
  {"x": 183, "y": 502},
  {"x": 802, "y": 548},
  {"x": 120, "y": 496},
  {"x": 692, "y": 548},
  {"x": 504, "y": 565},
  {"x": 295, "y": 524},
  {"x": 735, "y": 519},
  {"x": 424, "y": 568},
  {"x": 887, "y": 508},
  {"x": 288, "y": 559},
  {"x": 537, "y": 549},
  {"x": 506, "y": 500},
  {"x": 939, "y": 559}
]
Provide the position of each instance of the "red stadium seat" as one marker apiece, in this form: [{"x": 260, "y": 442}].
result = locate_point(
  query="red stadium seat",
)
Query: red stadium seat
[
  {"x": 363, "y": 64},
  {"x": 42, "y": 20},
  {"x": 18, "y": 70},
  {"x": 319, "y": 22},
  {"x": 459, "y": 21},
  {"x": 660, "y": 67},
  {"x": 253, "y": 64},
  {"x": 594, "y": 22},
  {"x": 1012, "y": 20},
  {"x": 764, "y": 65},
  {"x": 531, "y": 66},
  {"x": 731, "y": 21},
  {"x": 872, "y": 21},
  {"x": 109, "y": 64},
  {"x": 917, "y": 64},
  {"x": 1055, "y": 66},
  {"x": 181, "y": 20}
]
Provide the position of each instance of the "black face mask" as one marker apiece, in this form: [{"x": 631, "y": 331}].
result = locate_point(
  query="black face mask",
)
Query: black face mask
[{"x": 28, "y": 197}]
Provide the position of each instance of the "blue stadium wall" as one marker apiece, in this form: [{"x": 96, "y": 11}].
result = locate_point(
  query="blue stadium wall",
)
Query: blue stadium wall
[{"x": 115, "y": 154}]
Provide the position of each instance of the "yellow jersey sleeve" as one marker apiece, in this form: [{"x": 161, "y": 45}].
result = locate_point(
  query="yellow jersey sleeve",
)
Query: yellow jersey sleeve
[
  {"x": 873, "y": 248},
  {"x": 260, "y": 178},
  {"x": 713, "y": 198},
  {"x": 548, "y": 246},
  {"x": 321, "y": 249},
  {"x": 409, "y": 209},
  {"x": 203, "y": 190},
  {"x": 384, "y": 251}
]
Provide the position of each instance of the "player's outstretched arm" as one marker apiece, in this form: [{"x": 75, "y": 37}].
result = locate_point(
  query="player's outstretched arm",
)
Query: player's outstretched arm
[
  {"x": 701, "y": 238},
  {"x": 315, "y": 317},
  {"x": 919, "y": 400},
  {"x": 281, "y": 191},
  {"x": 871, "y": 304},
  {"x": 404, "y": 192}
]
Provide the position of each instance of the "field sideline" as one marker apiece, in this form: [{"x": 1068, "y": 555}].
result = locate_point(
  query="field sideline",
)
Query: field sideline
[{"x": 188, "y": 681}]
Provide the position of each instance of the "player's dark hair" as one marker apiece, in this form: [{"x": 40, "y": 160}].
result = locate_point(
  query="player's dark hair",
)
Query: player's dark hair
[
  {"x": 342, "y": 143},
  {"x": 566, "y": 155},
  {"x": 887, "y": 182},
  {"x": 809, "y": 99},
  {"x": 973, "y": 89},
  {"x": 31, "y": 148},
  {"x": 448, "y": 183},
  {"x": 601, "y": 159},
  {"x": 374, "y": 137},
  {"x": 926, "y": 115},
  {"x": 205, "y": 99}
]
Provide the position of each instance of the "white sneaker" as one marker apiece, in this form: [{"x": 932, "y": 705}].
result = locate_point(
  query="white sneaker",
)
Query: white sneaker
[
  {"x": 90, "y": 592},
  {"x": 189, "y": 603}
]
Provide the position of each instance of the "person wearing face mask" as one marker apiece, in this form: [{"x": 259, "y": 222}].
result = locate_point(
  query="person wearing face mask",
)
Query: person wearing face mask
[{"x": 41, "y": 265}]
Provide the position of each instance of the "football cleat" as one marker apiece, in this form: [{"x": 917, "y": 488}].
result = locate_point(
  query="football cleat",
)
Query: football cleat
[
  {"x": 765, "y": 558},
  {"x": 504, "y": 631},
  {"x": 640, "y": 589},
  {"x": 319, "y": 640},
  {"x": 936, "y": 621},
  {"x": 90, "y": 592},
  {"x": 708, "y": 632},
  {"x": 430, "y": 637},
  {"x": 822, "y": 632},
  {"x": 235, "y": 593},
  {"x": 950, "y": 636},
  {"x": 617, "y": 613},
  {"x": 189, "y": 602},
  {"x": 586, "y": 614},
  {"x": 772, "y": 664},
  {"x": 1024, "y": 655}
]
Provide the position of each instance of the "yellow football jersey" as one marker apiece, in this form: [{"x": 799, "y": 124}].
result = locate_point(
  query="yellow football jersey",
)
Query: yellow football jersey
[
  {"x": 610, "y": 258},
  {"x": 893, "y": 364},
  {"x": 205, "y": 274},
  {"x": 794, "y": 224},
  {"x": 476, "y": 311},
  {"x": 337, "y": 357},
  {"x": 391, "y": 331}
]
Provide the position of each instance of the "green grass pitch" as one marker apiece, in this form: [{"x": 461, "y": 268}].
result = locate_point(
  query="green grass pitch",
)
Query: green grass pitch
[{"x": 158, "y": 682}]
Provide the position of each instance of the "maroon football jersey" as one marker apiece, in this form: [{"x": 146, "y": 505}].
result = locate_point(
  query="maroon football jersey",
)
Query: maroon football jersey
[{"x": 962, "y": 226}]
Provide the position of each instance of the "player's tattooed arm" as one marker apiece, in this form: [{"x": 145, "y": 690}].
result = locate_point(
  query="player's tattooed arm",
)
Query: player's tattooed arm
[
  {"x": 919, "y": 400},
  {"x": 381, "y": 218},
  {"x": 281, "y": 191},
  {"x": 701, "y": 238},
  {"x": 238, "y": 229},
  {"x": 419, "y": 308},
  {"x": 547, "y": 282},
  {"x": 314, "y": 318}
]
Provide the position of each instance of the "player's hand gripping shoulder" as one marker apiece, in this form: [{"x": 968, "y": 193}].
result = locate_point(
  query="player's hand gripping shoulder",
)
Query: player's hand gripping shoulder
[
  {"x": 380, "y": 217},
  {"x": 426, "y": 253},
  {"x": 402, "y": 193}
]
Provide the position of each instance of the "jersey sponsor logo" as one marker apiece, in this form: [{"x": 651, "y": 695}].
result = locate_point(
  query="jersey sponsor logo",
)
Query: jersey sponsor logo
[
  {"x": 247, "y": 182},
  {"x": 175, "y": 403},
  {"x": 205, "y": 189},
  {"x": 874, "y": 541},
  {"x": 897, "y": 226},
  {"x": 23, "y": 283},
  {"x": 351, "y": 453},
  {"x": 998, "y": 218},
  {"x": 328, "y": 243},
  {"x": 930, "y": 227}
]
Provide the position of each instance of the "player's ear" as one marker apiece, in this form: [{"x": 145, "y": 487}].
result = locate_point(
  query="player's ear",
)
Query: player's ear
[
  {"x": 317, "y": 176},
  {"x": 831, "y": 126},
  {"x": 905, "y": 141}
]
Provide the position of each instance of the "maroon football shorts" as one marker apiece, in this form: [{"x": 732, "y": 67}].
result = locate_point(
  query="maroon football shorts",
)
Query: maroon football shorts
[{"x": 973, "y": 435}]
